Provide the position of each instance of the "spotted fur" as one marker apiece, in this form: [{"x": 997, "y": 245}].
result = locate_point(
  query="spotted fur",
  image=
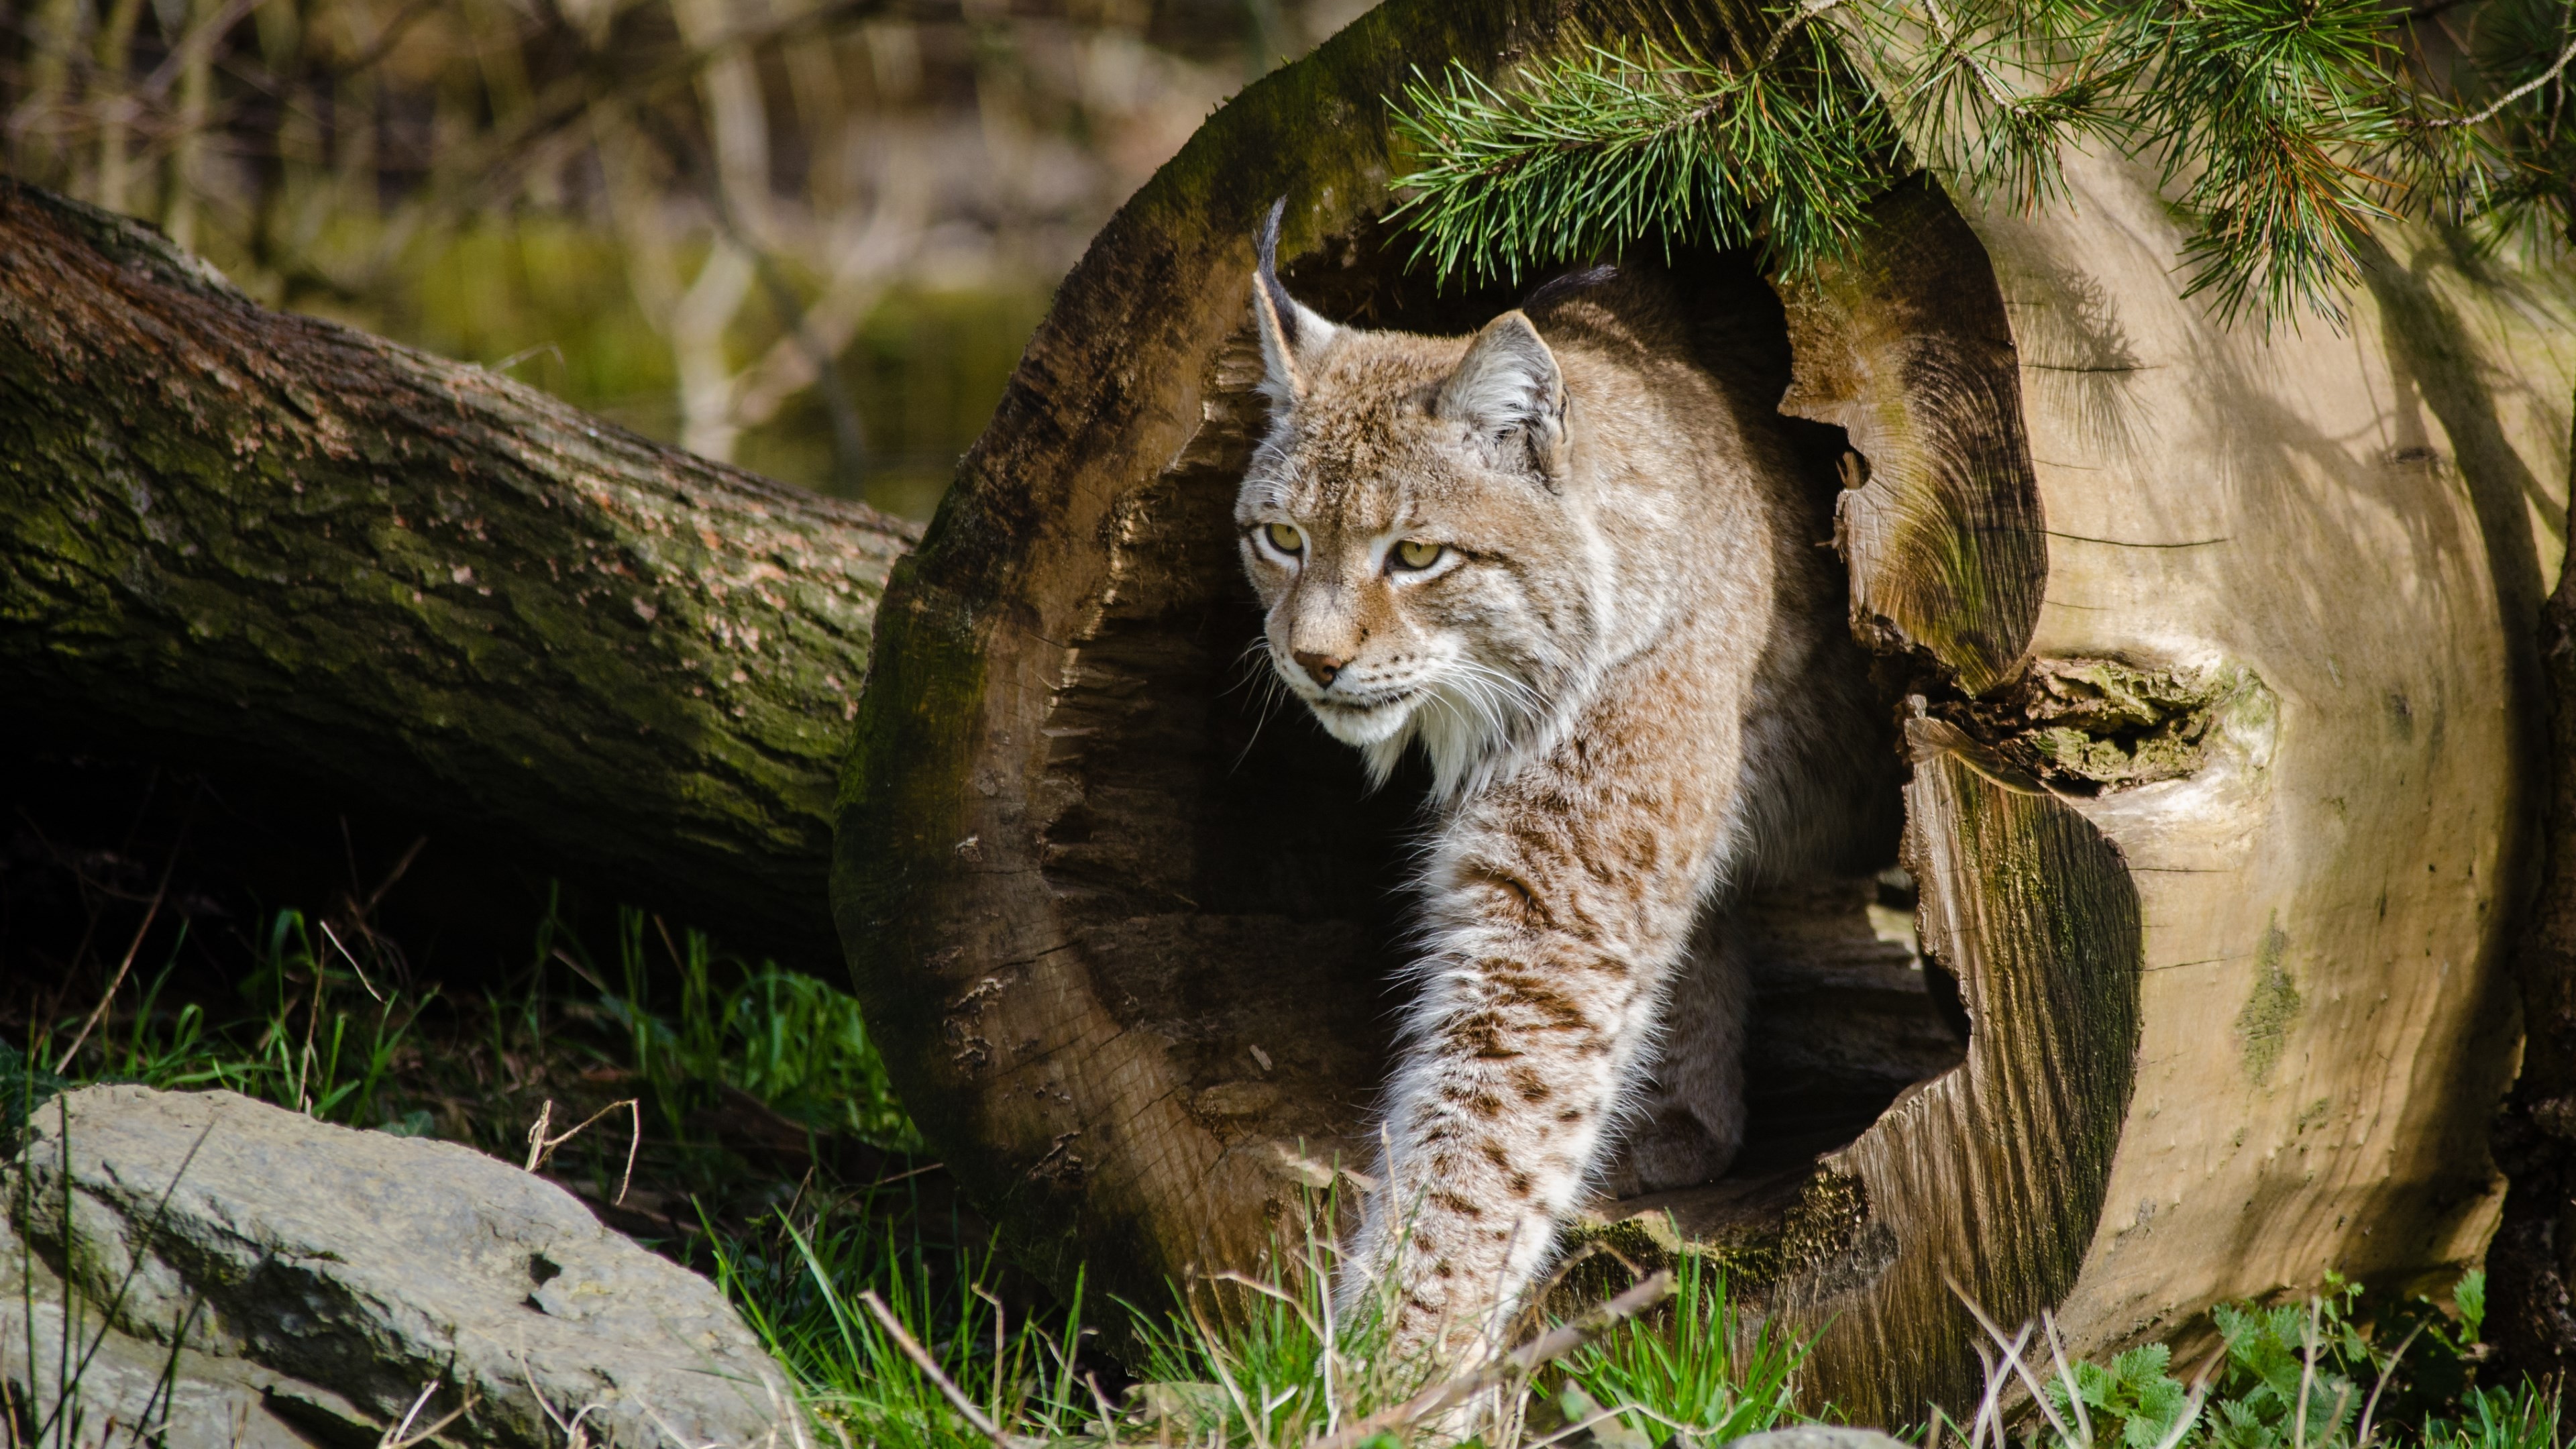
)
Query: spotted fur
[{"x": 1626, "y": 668}]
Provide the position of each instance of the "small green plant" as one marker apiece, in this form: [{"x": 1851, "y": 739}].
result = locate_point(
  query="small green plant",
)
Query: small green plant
[
  {"x": 2522, "y": 1417},
  {"x": 2343, "y": 1370},
  {"x": 2131, "y": 1401}
]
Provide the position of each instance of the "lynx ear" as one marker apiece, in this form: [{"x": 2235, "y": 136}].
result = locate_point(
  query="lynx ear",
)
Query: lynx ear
[
  {"x": 1291, "y": 336},
  {"x": 1508, "y": 386}
]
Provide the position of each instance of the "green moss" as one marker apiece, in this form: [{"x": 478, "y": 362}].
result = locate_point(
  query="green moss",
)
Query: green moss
[
  {"x": 2263, "y": 1026},
  {"x": 2101, "y": 724},
  {"x": 1823, "y": 1223}
]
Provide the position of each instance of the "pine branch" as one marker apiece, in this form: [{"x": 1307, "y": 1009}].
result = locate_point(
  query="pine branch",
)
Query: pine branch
[
  {"x": 1608, "y": 150},
  {"x": 2287, "y": 129}
]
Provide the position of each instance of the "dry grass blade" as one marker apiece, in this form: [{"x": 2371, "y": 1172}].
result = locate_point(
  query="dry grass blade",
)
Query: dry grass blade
[
  {"x": 400, "y": 1436},
  {"x": 334, "y": 938},
  {"x": 1519, "y": 1363},
  {"x": 2370, "y": 1410},
  {"x": 921, "y": 1359},
  {"x": 98, "y": 1013},
  {"x": 541, "y": 1146},
  {"x": 2307, "y": 1376},
  {"x": 2013, "y": 1364}
]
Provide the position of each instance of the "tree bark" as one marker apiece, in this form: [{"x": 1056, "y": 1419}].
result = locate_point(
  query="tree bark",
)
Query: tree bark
[
  {"x": 248, "y": 538},
  {"x": 2216, "y": 730}
]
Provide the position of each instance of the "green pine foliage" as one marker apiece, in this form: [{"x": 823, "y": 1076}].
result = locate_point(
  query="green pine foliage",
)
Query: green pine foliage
[{"x": 2284, "y": 131}]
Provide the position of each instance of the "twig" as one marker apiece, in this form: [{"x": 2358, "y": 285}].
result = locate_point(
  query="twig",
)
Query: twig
[
  {"x": 376, "y": 897},
  {"x": 1519, "y": 1363},
  {"x": 64, "y": 1062},
  {"x": 2511, "y": 96},
  {"x": 1001, "y": 1318},
  {"x": 388, "y": 36},
  {"x": 537, "y": 1136},
  {"x": 387, "y": 1438},
  {"x": 906, "y": 1174},
  {"x": 2066, "y": 1377},
  {"x": 400, "y": 1436},
  {"x": 922, "y": 1360},
  {"x": 304, "y": 1062},
  {"x": 1216, "y": 1362},
  {"x": 1091, "y": 1381},
  {"x": 2307, "y": 1377},
  {"x": 334, "y": 938},
  {"x": 2012, "y": 1359},
  {"x": 1807, "y": 10},
  {"x": 186, "y": 51},
  {"x": 2190, "y": 1410},
  {"x": 541, "y": 1146},
  {"x": 2361, "y": 1440}
]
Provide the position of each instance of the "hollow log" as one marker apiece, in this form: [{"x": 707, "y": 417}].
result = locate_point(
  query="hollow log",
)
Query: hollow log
[
  {"x": 2212, "y": 648},
  {"x": 2212, "y": 654},
  {"x": 243, "y": 537}
]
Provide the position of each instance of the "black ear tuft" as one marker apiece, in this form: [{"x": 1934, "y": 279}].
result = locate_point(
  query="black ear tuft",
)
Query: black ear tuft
[
  {"x": 1559, "y": 287},
  {"x": 1280, "y": 302}
]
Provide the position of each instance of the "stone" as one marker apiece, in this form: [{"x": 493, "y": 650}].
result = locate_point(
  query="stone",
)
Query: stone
[
  {"x": 235, "y": 1274},
  {"x": 1818, "y": 1436}
]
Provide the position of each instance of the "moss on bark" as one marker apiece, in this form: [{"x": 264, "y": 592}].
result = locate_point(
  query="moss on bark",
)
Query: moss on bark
[{"x": 236, "y": 535}]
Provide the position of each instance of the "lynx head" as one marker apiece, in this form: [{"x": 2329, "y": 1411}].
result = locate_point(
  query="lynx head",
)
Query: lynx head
[{"x": 1418, "y": 534}]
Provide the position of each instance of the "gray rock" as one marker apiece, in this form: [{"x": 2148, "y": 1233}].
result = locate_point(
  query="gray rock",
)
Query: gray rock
[
  {"x": 243, "y": 1275},
  {"x": 1818, "y": 1436}
]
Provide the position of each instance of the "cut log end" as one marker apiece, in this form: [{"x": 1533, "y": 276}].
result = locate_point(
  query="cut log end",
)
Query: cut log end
[{"x": 1142, "y": 942}]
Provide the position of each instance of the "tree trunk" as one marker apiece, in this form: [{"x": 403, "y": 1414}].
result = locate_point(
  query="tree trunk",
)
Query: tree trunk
[
  {"x": 244, "y": 537},
  {"x": 2214, "y": 648}
]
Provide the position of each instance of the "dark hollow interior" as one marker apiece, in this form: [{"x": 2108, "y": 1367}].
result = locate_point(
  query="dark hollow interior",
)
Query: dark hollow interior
[{"x": 1260, "y": 905}]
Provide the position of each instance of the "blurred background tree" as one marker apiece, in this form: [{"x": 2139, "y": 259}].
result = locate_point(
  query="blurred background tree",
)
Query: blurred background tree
[{"x": 807, "y": 236}]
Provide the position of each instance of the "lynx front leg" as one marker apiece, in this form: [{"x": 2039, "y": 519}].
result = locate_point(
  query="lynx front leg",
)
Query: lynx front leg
[{"x": 1548, "y": 961}]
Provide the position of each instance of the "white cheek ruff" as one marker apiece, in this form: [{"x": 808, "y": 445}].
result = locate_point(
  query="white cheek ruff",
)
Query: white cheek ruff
[{"x": 1475, "y": 725}]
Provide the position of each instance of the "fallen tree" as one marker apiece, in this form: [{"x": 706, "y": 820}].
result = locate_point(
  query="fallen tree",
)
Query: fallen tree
[
  {"x": 243, "y": 537},
  {"x": 2217, "y": 643}
]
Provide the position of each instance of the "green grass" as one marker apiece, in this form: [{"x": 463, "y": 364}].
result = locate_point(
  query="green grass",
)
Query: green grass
[
  {"x": 1706, "y": 1373},
  {"x": 801, "y": 1291},
  {"x": 317, "y": 1023}
]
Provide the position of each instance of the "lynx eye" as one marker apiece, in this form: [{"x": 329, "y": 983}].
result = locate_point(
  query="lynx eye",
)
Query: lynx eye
[
  {"x": 1284, "y": 537},
  {"x": 1415, "y": 554}
]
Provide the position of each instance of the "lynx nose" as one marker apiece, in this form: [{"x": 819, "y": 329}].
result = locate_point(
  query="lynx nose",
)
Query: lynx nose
[{"x": 1319, "y": 667}]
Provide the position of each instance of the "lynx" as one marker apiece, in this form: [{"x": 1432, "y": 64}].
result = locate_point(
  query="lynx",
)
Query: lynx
[{"x": 1577, "y": 568}]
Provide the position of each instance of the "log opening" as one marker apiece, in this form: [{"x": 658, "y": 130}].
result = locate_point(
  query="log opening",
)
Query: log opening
[
  {"x": 1130, "y": 948},
  {"x": 1191, "y": 879},
  {"x": 1313, "y": 864}
]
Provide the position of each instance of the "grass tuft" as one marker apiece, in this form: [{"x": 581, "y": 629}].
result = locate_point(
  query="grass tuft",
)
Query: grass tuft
[{"x": 773, "y": 1154}]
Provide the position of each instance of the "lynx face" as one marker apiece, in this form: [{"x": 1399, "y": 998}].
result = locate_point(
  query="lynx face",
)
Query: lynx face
[{"x": 1417, "y": 538}]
